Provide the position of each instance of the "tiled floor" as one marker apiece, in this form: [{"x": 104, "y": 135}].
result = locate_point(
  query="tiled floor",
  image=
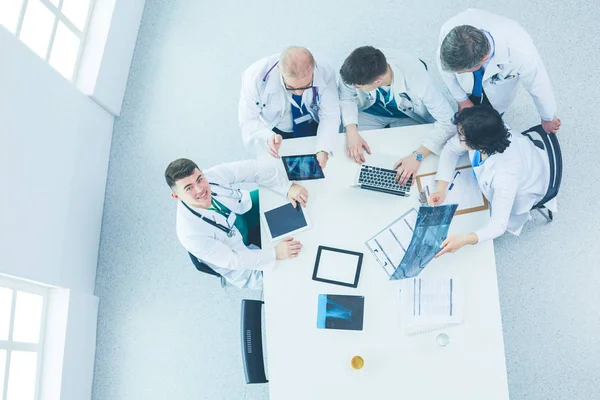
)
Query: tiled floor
[{"x": 168, "y": 332}]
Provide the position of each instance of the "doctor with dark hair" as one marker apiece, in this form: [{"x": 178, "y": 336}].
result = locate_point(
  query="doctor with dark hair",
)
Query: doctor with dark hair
[{"x": 512, "y": 173}]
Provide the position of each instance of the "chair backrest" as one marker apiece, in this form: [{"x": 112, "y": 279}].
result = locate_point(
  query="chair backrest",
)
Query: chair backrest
[
  {"x": 552, "y": 147},
  {"x": 251, "y": 337},
  {"x": 200, "y": 266}
]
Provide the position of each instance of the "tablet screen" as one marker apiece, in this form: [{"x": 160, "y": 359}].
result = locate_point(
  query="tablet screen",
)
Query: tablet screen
[
  {"x": 285, "y": 219},
  {"x": 302, "y": 167},
  {"x": 337, "y": 266}
]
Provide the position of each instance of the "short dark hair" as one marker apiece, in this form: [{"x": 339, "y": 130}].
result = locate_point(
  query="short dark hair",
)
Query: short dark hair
[
  {"x": 363, "y": 66},
  {"x": 483, "y": 129},
  {"x": 463, "y": 48},
  {"x": 179, "y": 169}
]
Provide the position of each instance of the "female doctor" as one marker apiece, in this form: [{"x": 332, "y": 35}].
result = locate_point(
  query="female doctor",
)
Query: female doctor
[
  {"x": 511, "y": 171},
  {"x": 210, "y": 216}
]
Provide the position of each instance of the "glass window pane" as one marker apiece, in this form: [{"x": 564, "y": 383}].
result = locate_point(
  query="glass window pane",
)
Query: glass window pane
[
  {"x": 21, "y": 375},
  {"x": 5, "y": 309},
  {"x": 28, "y": 317},
  {"x": 2, "y": 370},
  {"x": 64, "y": 51},
  {"x": 76, "y": 11},
  {"x": 37, "y": 27},
  {"x": 9, "y": 13}
]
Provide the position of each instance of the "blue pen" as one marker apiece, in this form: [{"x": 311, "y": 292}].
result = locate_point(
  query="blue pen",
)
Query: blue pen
[{"x": 452, "y": 184}]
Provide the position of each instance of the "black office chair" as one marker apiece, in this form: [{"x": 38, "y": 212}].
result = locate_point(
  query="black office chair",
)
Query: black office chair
[
  {"x": 202, "y": 267},
  {"x": 549, "y": 143},
  {"x": 251, "y": 337}
]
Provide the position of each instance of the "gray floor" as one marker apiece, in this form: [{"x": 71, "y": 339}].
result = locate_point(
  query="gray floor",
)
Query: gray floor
[{"x": 168, "y": 332}]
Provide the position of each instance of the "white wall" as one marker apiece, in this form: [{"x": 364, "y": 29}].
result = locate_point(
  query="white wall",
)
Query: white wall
[
  {"x": 80, "y": 346},
  {"x": 54, "y": 151},
  {"x": 109, "y": 50}
]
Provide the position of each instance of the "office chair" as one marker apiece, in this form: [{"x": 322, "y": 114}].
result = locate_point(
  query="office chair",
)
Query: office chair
[
  {"x": 200, "y": 266},
  {"x": 251, "y": 338},
  {"x": 549, "y": 143}
]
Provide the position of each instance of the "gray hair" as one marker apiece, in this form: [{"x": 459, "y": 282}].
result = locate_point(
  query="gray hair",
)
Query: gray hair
[
  {"x": 463, "y": 48},
  {"x": 296, "y": 62}
]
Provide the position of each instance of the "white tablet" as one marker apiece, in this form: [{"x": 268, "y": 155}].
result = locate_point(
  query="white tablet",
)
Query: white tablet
[
  {"x": 337, "y": 266},
  {"x": 285, "y": 221}
]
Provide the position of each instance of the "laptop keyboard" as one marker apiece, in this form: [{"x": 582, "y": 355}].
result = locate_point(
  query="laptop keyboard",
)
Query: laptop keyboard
[{"x": 382, "y": 180}]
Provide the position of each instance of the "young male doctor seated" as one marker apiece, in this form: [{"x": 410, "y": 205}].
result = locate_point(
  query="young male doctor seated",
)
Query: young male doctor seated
[
  {"x": 511, "y": 171},
  {"x": 287, "y": 96},
  {"x": 377, "y": 91},
  {"x": 210, "y": 216}
]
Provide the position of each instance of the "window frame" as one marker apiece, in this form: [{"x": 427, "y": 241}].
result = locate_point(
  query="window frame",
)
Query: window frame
[
  {"x": 10, "y": 345},
  {"x": 59, "y": 16}
]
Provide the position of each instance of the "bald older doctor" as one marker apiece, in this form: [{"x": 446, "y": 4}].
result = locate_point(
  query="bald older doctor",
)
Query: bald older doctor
[{"x": 290, "y": 95}]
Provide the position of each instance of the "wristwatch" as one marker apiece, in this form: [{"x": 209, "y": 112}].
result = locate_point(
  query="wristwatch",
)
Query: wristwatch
[{"x": 418, "y": 156}]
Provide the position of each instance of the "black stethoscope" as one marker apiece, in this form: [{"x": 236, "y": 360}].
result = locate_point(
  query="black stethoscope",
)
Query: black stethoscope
[{"x": 234, "y": 194}]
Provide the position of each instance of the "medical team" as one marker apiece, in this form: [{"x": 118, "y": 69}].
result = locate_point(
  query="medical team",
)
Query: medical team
[{"x": 481, "y": 57}]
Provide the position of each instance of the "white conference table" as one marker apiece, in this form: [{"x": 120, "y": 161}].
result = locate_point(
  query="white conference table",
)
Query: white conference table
[{"x": 312, "y": 364}]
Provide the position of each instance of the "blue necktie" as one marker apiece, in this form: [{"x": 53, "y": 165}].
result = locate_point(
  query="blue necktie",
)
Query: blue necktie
[
  {"x": 478, "y": 82},
  {"x": 306, "y": 128},
  {"x": 476, "y": 159}
]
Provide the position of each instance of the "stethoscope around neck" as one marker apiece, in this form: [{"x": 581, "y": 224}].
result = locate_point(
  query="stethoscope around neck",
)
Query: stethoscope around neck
[{"x": 233, "y": 194}]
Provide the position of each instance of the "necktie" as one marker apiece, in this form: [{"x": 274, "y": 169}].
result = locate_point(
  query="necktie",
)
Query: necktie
[
  {"x": 307, "y": 127},
  {"x": 478, "y": 82}
]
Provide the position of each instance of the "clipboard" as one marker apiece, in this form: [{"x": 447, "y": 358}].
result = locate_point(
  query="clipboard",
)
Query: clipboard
[
  {"x": 485, "y": 203},
  {"x": 389, "y": 262}
]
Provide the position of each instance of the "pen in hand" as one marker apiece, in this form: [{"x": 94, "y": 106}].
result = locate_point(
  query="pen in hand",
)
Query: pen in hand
[{"x": 452, "y": 184}]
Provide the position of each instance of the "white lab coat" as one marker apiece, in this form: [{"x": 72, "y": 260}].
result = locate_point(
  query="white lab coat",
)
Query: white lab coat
[
  {"x": 263, "y": 102},
  {"x": 515, "y": 59},
  {"x": 415, "y": 93},
  {"x": 229, "y": 256},
  {"x": 513, "y": 182}
]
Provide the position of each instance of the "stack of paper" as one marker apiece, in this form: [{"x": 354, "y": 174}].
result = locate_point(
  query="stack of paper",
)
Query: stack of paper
[{"x": 428, "y": 304}]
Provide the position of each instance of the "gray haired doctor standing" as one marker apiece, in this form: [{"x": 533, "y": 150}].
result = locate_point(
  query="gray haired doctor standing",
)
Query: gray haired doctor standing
[{"x": 483, "y": 56}]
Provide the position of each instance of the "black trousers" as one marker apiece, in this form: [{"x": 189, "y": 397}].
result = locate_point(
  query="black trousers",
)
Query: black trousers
[
  {"x": 480, "y": 100},
  {"x": 284, "y": 135}
]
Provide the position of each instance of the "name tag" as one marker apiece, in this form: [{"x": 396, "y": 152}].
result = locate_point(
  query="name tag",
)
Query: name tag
[
  {"x": 302, "y": 119},
  {"x": 231, "y": 219}
]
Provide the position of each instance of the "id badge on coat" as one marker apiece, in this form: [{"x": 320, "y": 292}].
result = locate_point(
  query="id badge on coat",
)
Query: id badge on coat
[
  {"x": 231, "y": 219},
  {"x": 304, "y": 118}
]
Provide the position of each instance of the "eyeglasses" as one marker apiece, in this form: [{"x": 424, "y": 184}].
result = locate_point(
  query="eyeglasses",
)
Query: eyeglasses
[{"x": 291, "y": 89}]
